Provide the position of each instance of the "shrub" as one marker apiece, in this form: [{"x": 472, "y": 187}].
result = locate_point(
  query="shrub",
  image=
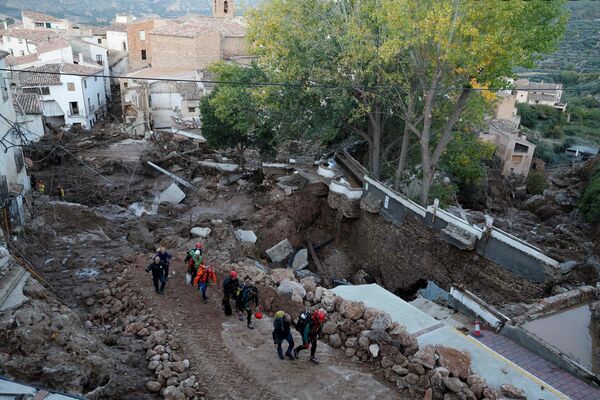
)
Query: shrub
[
  {"x": 446, "y": 194},
  {"x": 554, "y": 132},
  {"x": 536, "y": 182},
  {"x": 589, "y": 205}
]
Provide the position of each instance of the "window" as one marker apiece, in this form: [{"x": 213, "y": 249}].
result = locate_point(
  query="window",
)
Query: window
[
  {"x": 74, "y": 107},
  {"x": 22, "y": 53},
  {"x": 143, "y": 54},
  {"x": 124, "y": 46},
  {"x": 4, "y": 89},
  {"x": 71, "y": 86},
  {"x": 48, "y": 25},
  {"x": 44, "y": 90},
  {"x": 90, "y": 104},
  {"x": 521, "y": 148},
  {"x": 85, "y": 83},
  {"x": 516, "y": 159},
  {"x": 39, "y": 24},
  {"x": 142, "y": 35},
  {"x": 225, "y": 7},
  {"x": 19, "y": 162},
  {"x": 125, "y": 85},
  {"x": 98, "y": 95},
  {"x": 99, "y": 58},
  {"x": 192, "y": 109},
  {"x": 99, "y": 41}
]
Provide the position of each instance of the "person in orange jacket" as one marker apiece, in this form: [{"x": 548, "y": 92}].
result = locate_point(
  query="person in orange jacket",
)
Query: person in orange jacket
[{"x": 203, "y": 277}]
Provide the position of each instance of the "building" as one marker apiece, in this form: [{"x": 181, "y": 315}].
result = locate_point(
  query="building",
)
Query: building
[
  {"x": 23, "y": 42},
  {"x": 92, "y": 55},
  {"x": 70, "y": 100},
  {"x": 29, "y": 115},
  {"x": 138, "y": 42},
  {"x": 14, "y": 182},
  {"x": 512, "y": 148},
  {"x": 223, "y": 8},
  {"x": 116, "y": 37},
  {"x": 124, "y": 19},
  {"x": 582, "y": 152},
  {"x": 174, "y": 100},
  {"x": 506, "y": 106},
  {"x": 547, "y": 94},
  {"x": 35, "y": 20}
]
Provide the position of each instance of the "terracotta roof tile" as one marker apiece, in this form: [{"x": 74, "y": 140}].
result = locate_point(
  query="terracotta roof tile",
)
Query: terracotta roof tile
[
  {"x": 199, "y": 26},
  {"x": 27, "y": 102},
  {"x": 36, "y": 16},
  {"x": 38, "y": 78}
]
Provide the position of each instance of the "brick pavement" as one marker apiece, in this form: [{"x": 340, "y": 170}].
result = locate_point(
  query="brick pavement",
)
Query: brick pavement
[{"x": 544, "y": 370}]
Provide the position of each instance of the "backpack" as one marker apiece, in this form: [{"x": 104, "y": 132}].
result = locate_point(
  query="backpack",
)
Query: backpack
[{"x": 303, "y": 320}]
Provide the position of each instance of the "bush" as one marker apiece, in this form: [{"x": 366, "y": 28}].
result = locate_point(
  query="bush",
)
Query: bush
[
  {"x": 554, "y": 132},
  {"x": 536, "y": 182},
  {"x": 446, "y": 194},
  {"x": 528, "y": 115},
  {"x": 589, "y": 205}
]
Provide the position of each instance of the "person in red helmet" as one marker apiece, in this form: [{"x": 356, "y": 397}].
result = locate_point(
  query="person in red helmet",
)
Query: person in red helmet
[
  {"x": 230, "y": 287},
  {"x": 310, "y": 325}
]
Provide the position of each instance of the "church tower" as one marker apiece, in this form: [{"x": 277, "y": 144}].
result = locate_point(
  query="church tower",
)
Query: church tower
[{"x": 223, "y": 8}]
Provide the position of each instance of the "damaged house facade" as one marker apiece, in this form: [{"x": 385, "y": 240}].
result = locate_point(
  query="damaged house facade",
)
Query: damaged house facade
[{"x": 14, "y": 182}]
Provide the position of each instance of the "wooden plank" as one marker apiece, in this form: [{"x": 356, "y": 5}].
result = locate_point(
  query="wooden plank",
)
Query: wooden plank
[{"x": 313, "y": 255}]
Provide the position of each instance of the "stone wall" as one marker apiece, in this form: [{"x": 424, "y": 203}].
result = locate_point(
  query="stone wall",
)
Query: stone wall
[{"x": 136, "y": 44}]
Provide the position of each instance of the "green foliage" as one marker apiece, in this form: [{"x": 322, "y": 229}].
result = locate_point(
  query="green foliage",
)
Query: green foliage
[
  {"x": 536, "y": 182},
  {"x": 446, "y": 194},
  {"x": 465, "y": 158},
  {"x": 589, "y": 205},
  {"x": 554, "y": 132},
  {"x": 528, "y": 115},
  {"x": 545, "y": 152}
]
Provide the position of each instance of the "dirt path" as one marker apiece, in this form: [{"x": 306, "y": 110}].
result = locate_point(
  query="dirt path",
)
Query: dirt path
[{"x": 233, "y": 362}]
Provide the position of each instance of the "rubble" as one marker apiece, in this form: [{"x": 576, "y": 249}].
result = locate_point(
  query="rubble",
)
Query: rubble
[
  {"x": 172, "y": 195},
  {"x": 300, "y": 260},
  {"x": 245, "y": 236},
  {"x": 200, "y": 232},
  {"x": 280, "y": 251}
]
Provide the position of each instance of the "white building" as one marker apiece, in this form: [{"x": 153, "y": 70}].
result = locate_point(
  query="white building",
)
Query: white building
[
  {"x": 29, "y": 115},
  {"x": 66, "y": 99},
  {"x": 92, "y": 55},
  {"x": 174, "y": 100},
  {"x": 14, "y": 182},
  {"x": 116, "y": 37},
  {"x": 35, "y": 20},
  {"x": 547, "y": 94}
]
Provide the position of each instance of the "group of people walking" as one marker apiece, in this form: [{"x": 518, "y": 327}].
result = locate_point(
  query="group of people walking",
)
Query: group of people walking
[{"x": 245, "y": 297}]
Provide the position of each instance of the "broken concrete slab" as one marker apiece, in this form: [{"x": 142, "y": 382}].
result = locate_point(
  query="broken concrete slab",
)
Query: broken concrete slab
[
  {"x": 200, "y": 232},
  {"x": 280, "y": 251},
  {"x": 300, "y": 260},
  {"x": 245, "y": 236},
  {"x": 177, "y": 179},
  {"x": 173, "y": 194},
  {"x": 223, "y": 167}
]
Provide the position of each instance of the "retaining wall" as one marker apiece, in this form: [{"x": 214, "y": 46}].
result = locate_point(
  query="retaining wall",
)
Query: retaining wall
[{"x": 501, "y": 248}]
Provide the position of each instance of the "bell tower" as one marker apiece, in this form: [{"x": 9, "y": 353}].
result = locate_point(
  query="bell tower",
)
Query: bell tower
[{"x": 223, "y": 8}]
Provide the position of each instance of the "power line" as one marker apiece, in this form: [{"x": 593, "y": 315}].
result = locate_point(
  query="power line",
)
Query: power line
[{"x": 281, "y": 84}]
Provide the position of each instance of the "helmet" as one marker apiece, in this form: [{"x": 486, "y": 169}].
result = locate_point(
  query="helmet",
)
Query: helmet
[
  {"x": 199, "y": 245},
  {"x": 197, "y": 252},
  {"x": 258, "y": 315},
  {"x": 320, "y": 315},
  {"x": 233, "y": 274}
]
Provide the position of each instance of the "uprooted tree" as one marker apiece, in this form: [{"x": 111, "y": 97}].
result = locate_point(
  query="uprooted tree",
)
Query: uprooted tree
[{"x": 415, "y": 63}]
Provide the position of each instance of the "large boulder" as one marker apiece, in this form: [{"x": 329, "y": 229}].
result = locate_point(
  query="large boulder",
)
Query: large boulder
[
  {"x": 279, "y": 275},
  {"x": 292, "y": 290},
  {"x": 512, "y": 392},
  {"x": 300, "y": 260},
  {"x": 309, "y": 284},
  {"x": 425, "y": 356},
  {"x": 352, "y": 309},
  {"x": 200, "y": 232},
  {"x": 329, "y": 328},
  {"x": 458, "y": 363},
  {"x": 280, "y": 251},
  {"x": 335, "y": 341},
  {"x": 328, "y": 300},
  {"x": 247, "y": 237}
]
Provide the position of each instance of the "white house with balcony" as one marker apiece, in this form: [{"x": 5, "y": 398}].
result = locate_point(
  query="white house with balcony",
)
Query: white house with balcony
[
  {"x": 547, "y": 94},
  {"x": 71, "y": 100},
  {"x": 14, "y": 182}
]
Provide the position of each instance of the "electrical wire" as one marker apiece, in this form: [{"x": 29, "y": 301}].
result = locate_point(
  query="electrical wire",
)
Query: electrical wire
[{"x": 280, "y": 84}]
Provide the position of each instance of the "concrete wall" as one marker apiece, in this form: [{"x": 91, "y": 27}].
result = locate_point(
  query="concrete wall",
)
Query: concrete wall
[
  {"x": 17, "y": 46},
  {"x": 164, "y": 106},
  {"x": 34, "y": 123},
  {"x": 116, "y": 40}
]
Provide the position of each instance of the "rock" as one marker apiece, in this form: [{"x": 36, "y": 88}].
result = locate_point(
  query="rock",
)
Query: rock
[
  {"x": 159, "y": 349},
  {"x": 400, "y": 370},
  {"x": 546, "y": 212},
  {"x": 477, "y": 390},
  {"x": 352, "y": 309},
  {"x": 309, "y": 284},
  {"x": 178, "y": 367},
  {"x": 292, "y": 290},
  {"x": 374, "y": 350},
  {"x": 166, "y": 373},
  {"x": 535, "y": 202},
  {"x": 350, "y": 352},
  {"x": 428, "y": 394},
  {"x": 412, "y": 379},
  {"x": 426, "y": 357},
  {"x": 278, "y": 275},
  {"x": 200, "y": 232},
  {"x": 351, "y": 342},
  {"x": 382, "y": 321},
  {"x": 173, "y": 393},
  {"x": 190, "y": 381},
  {"x": 280, "y": 251},
  {"x": 88, "y": 324},
  {"x": 153, "y": 365},
  {"x": 245, "y": 236},
  {"x": 89, "y": 301},
  {"x": 186, "y": 364},
  {"x": 566, "y": 200},
  {"x": 415, "y": 368},
  {"x": 453, "y": 384},
  {"x": 300, "y": 260},
  {"x": 335, "y": 341},
  {"x": 387, "y": 361},
  {"x": 329, "y": 328},
  {"x": 490, "y": 393},
  {"x": 512, "y": 392},
  {"x": 328, "y": 300},
  {"x": 143, "y": 332},
  {"x": 172, "y": 381},
  {"x": 173, "y": 194},
  {"x": 567, "y": 266},
  {"x": 318, "y": 294},
  {"x": 457, "y": 362},
  {"x": 153, "y": 386},
  {"x": 309, "y": 296},
  {"x": 475, "y": 379}
]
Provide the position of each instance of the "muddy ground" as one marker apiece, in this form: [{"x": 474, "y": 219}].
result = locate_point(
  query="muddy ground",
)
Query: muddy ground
[{"x": 92, "y": 336}]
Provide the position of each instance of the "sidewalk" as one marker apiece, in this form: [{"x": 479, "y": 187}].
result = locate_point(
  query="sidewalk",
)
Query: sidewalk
[{"x": 537, "y": 366}]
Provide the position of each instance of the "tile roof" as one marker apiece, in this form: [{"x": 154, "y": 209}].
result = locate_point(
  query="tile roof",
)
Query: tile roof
[
  {"x": 525, "y": 84},
  {"x": 29, "y": 34},
  {"x": 12, "y": 60},
  {"x": 45, "y": 46},
  {"x": 188, "y": 90},
  {"x": 39, "y": 16},
  {"x": 28, "y": 102},
  {"x": 199, "y": 26},
  {"x": 38, "y": 78},
  {"x": 532, "y": 96},
  {"x": 117, "y": 27}
]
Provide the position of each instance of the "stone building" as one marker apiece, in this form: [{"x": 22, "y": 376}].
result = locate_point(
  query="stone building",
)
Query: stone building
[
  {"x": 138, "y": 42},
  {"x": 35, "y": 20},
  {"x": 547, "y": 94}
]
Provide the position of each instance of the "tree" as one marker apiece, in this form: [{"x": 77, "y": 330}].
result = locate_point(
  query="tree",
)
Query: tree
[
  {"x": 464, "y": 158},
  {"x": 232, "y": 115},
  {"x": 589, "y": 205},
  {"x": 448, "y": 49}
]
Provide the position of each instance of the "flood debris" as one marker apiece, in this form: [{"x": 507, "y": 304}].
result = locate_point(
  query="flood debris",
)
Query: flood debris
[
  {"x": 245, "y": 236},
  {"x": 172, "y": 195},
  {"x": 280, "y": 251},
  {"x": 177, "y": 179},
  {"x": 200, "y": 232}
]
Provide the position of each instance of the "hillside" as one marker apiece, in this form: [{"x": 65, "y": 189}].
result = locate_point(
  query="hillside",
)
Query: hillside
[{"x": 99, "y": 11}]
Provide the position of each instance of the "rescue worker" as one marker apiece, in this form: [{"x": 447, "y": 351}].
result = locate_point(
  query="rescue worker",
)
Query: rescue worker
[
  {"x": 203, "y": 278},
  {"x": 310, "y": 333},
  {"x": 165, "y": 257},
  {"x": 61, "y": 193},
  {"x": 282, "y": 331},
  {"x": 194, "y": 264},
  {"x": 246, "y": 294},
  {"x": 158, "y": 274},
  {"x": 230, "y": 286},
  {"x": 41, "y": 187},
  {"x": 192, "y": 252}
]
